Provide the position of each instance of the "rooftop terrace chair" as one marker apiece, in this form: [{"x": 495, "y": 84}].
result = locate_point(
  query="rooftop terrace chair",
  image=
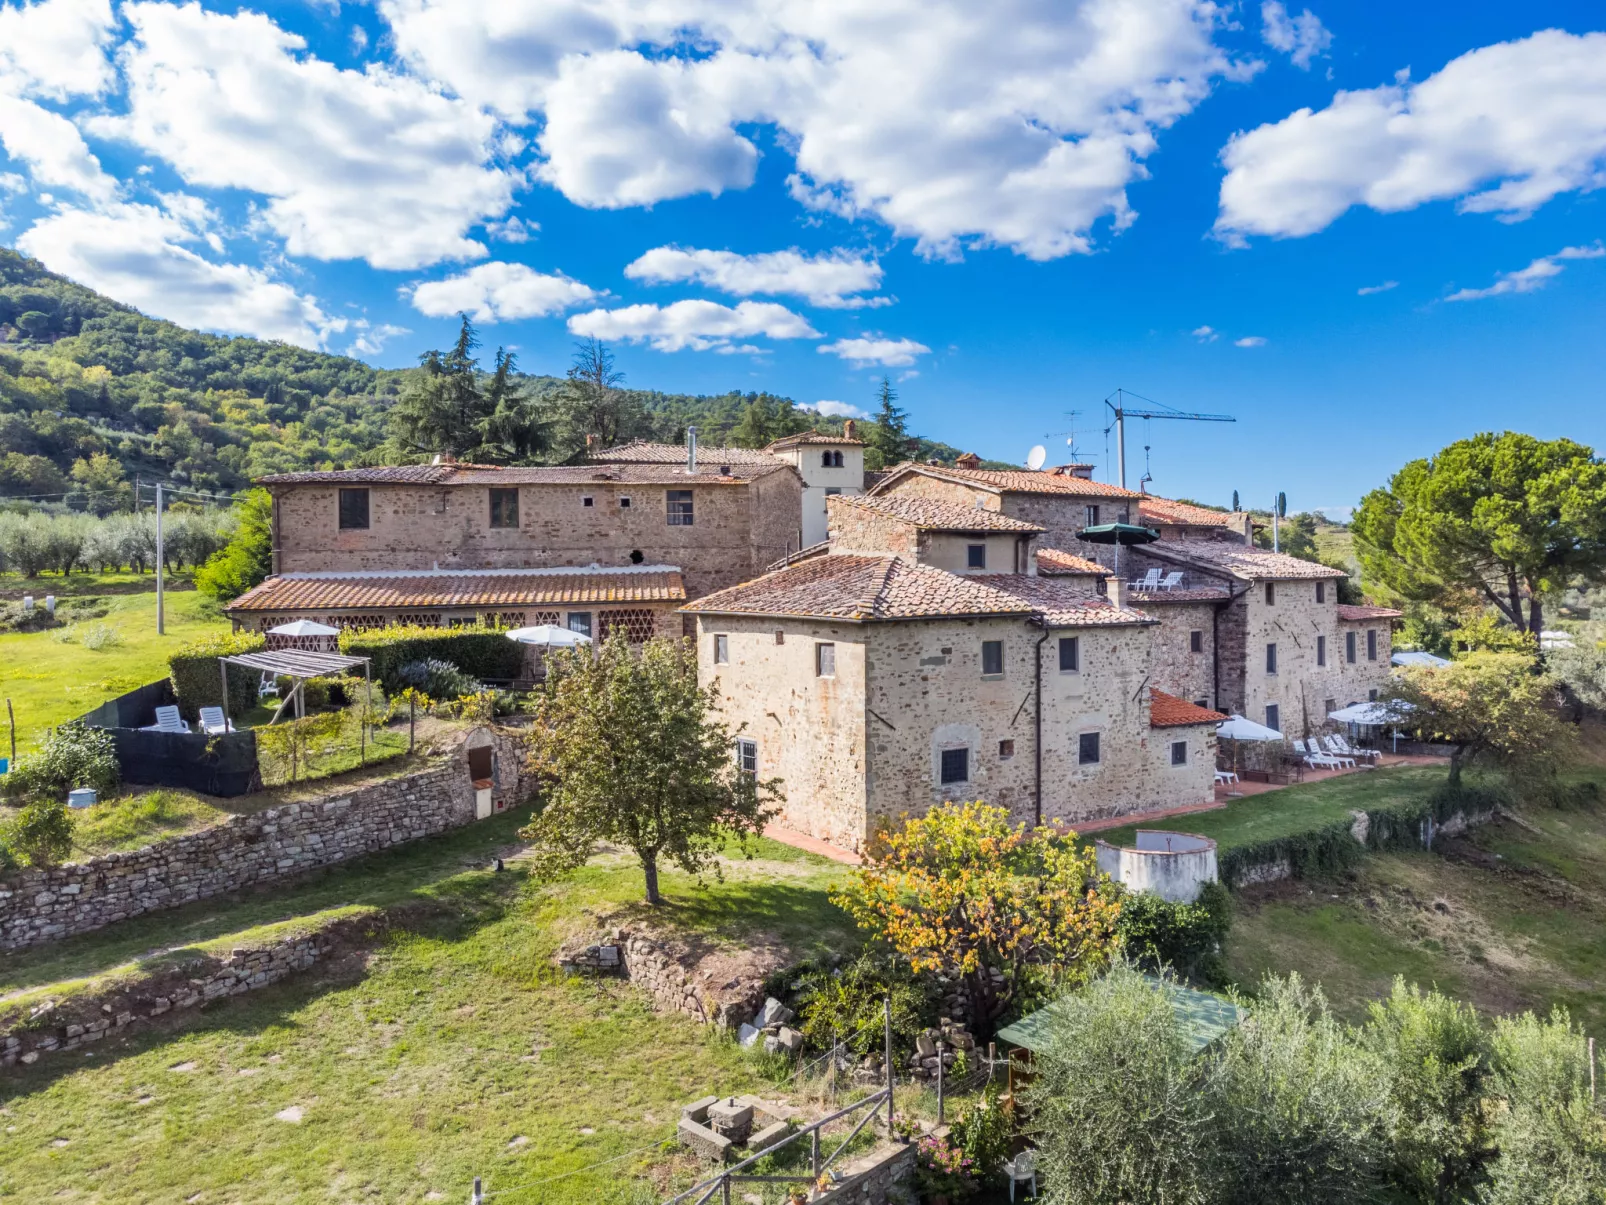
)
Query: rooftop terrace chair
[
  {"x": 1172, "y": 580},
  {"x": 214, "y": 722},
  {"x": 167, "y": 720},
  {"x": 1149, "y": 581}
]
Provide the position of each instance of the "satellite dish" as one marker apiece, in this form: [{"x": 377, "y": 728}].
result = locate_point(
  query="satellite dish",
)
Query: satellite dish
[{"x": 1036, "y": 457}]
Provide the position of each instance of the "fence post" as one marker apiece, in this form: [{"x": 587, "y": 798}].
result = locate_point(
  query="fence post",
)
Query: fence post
[
  {"x": 814, "y": 1154},
  {"x": 939, "y": 1083},
  {"x": 887, "y": 1005},
  {"x": 478, "y": 1196}
]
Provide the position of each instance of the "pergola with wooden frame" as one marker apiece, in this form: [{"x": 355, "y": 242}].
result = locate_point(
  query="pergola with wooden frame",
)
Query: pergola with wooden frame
[{"x": 302, "y": 665}]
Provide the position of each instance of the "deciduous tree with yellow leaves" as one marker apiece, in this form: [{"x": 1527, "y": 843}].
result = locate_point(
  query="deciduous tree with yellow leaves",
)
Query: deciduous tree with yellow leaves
[{"x": 962, "y": 891}]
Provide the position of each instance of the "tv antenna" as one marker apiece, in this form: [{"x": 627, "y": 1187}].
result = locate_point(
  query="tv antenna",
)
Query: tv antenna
[{"x": 1117, "y": 402}]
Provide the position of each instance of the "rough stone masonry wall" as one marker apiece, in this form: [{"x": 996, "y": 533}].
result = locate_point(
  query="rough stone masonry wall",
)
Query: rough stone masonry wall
[
  {"x": 47, "y": 905},
  {"x": 1173, "y": 665}
]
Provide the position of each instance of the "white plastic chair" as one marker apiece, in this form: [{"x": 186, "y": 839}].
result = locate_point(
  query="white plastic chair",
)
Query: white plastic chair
[
  {"x": 1149, "y": 581},
  {"x": 268, "y": 686},
  {"x": 1315, "y": 758},
  {"x": 1022, "y": 1168},
  {"x": 1330, "y": 747},
  {"x": 214, "y": 722},
  {"x": 167, "y": 720},
  {"x": 1172, "y": 581}
]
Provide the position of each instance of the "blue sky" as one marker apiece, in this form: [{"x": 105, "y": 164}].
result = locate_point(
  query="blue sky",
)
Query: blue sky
[{"x": 1363, "y": 232}]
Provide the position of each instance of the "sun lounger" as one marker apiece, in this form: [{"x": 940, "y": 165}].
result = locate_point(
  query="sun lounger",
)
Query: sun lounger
[
  {"x": 1340, "y": 744},
  {"x": 167, "y": 720},
  {"x": 1149, "y": 581},
  {"x": 1316, "y": 759},
  {"x": 1171, "y": 581}
]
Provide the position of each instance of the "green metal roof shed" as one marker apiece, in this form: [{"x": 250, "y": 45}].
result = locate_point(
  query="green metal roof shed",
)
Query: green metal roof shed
[{"x": 1204, "y": 1017}]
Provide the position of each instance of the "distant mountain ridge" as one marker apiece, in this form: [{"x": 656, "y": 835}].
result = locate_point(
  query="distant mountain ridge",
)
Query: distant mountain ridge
[{"x": 81, "y": 374}]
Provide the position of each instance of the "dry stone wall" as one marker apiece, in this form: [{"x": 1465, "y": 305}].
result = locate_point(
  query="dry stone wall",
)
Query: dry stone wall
[
  {"x": 47, "y": 905},
  {"x": 709, "y": 988}
]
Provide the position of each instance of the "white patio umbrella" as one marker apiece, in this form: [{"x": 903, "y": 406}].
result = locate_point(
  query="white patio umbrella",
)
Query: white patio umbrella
[
  {"x": 1236, "y": 728},
  {"x": 550, "y": 635},
  {"x": 304, "y": 627},
  {"x": 1416, "y": 657},
  {"x": 1372, "y": 714}
]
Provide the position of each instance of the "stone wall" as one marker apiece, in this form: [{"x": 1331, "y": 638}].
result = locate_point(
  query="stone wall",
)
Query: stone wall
[
  {"x": 1173, "y": 665},
  {"x": 85, "y": 1020},
  {"x": 47, "y": 905},
  {"x": 739, "y": 526},
  {"x": 884, "y": 1175}
]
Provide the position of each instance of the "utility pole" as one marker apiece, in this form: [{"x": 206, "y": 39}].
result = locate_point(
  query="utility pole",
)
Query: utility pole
[
  {"x": 1122, "y": 412},
  {"x": 161, "y": 617}
]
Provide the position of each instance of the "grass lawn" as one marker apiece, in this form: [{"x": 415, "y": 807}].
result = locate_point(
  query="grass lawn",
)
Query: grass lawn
[
  {"x": 1295, "y": 809},
  {"x": 1509, "y": 917},
  {"x": 450, "y": 1051},
  {"x": 51, "y": 676}
]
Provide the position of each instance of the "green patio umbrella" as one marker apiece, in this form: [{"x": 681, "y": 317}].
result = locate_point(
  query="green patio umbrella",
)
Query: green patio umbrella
[{"x": 1118, "y": 534}]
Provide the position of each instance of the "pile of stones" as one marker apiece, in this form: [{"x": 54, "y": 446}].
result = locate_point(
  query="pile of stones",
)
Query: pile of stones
[
  {"x": 769, "y": 1025},
  {"x": 717, "y": 1128},
  {"x": 939, "y": 1046},
  {"x": 601, "y": 958}
]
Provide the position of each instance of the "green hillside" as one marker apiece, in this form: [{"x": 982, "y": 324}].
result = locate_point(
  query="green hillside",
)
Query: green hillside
[{"x": 82, "y": 375}]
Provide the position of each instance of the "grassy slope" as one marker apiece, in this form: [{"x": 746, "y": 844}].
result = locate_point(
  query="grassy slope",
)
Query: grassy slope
[
  {"x": 49, "y": 680},
  {"x": 417, "y": 1072}
]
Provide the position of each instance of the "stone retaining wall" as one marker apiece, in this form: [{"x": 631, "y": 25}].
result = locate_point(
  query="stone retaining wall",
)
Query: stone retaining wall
[
  {"x": 90, "y": 1019},
  {"x": 47, "y": 905},
  {"x": 882, "y": 1176},
  {"x": 1428, "y": 831}
]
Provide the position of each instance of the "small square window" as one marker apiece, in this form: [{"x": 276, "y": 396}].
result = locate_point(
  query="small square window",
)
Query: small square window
[
  {"x": 678, "y": 507},
  {"x": 992, "y": 658},
  {"x": 580, "y": 621},
  {"x": 1205, "y": 703},
  {"x": 353, "y": 510},
  {"x": 1196, "y": 641},
  {"x": 976, "y": 556},
  {"x": 1274, "y": 718},
  {"x": 831, "y": 491},
  {"x": 747, "y": 758},
  {"x": 722, "y": 649},
  {"x": 1329, "y": 706},
  {"x": 1006, "y": 750},
  {"x": 1321, "y": 592},
  {"x": 1371, "y": 695},
  {"x": 1102, "y": 587},
  {"x": 1271, "y": 658},
  {"x": 504, "y": 508},
  {"x": 1087, "y": 749},
  {"x": 955, "y": 766},
  {"x": 1371, "y": 644},
  {"x": 1179, "y": 753},
  {"x": 1093, "y": 516},
  {"x": 825, "y": 660},
  {"x": 1271, "y": 594},
  {"x": 1321, "y": 650},
  {"x": 588, "y": 501},
  {"x": 780, "y": 636},
  {"x": 1070, "y": 654},
  {"x": 624, "y": 504}
]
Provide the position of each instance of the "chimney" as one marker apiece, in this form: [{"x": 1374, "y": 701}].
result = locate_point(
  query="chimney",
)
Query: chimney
[
  {"x": 691, "y": 449},
  {"x": 968, "y": 460},
  {"x": 848, "y": 429}
]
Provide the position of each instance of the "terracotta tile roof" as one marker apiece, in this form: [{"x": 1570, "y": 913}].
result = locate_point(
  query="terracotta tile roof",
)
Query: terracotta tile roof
[
  {"x": 1051, "y": 562},
  {"x": 1168, "y": 711},
  {"x": 815, "y": 437},
  {"x": 802, "y": 554},
  {"x": 1354, "y": 611},
  {"x": 1013, "y": 481},
  {"x": 932, "y": 515},
  {"x": 1240, "y": 560},
  {"x": 641, "y": 451},
  {"x": 463, "y": 588},
  {"x": 1144, "y": 598},
  {"x": 865, "y": 589},
  {"x": 1167, "y": 510},
  {"x": 708, "y": 473}
]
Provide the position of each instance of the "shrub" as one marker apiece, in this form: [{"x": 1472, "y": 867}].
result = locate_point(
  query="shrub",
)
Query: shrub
[
  {"x": 437, "y": 679},
  {"x": 984, "y": 1132},
  {"x": 73, "y": 755},
  {"x": 942, "y": 1169},
  {"x": 1186, "y": 938},
  {"x": 197, "y": 682},
  {"x": 248, "y": 556},
  {"x": 847, "y": 1004},
  {"x": 97, "y": 636},
  {"x": 481, "y": 653},
  {"x": 41, "y": 835}
]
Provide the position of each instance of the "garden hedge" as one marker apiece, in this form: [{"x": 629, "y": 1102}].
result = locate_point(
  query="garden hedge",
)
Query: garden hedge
[
  {"x": 483, "y": 653},
  {"x": 196, "y": 682},
  {"x": 1332, "y": 848}
]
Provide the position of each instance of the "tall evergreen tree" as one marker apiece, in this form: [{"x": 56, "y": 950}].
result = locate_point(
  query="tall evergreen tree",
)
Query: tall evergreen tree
[
  {"x": 517, "y": 430},
  {"x": 591, "y": 403},
  {"x": 443, "y": 410},
  {"x": 887, "y": 438}
]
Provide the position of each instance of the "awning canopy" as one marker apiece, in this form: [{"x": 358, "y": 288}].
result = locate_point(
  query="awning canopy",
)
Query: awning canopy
[
  {"x": 1237, "y": 728},
  {"x": 296, "y": 663},
  {"x": 303, "y": 627},
  {"x": 1204, "y": 1018},
  {"x": 1374, "y": 714}
]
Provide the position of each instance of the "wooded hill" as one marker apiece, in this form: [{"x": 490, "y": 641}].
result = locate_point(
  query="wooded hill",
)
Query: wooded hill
[{"x": 92, "y": 392}]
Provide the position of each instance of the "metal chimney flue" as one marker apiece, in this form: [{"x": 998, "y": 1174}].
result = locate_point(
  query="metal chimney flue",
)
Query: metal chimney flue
[{"x": 691, "y": 449}]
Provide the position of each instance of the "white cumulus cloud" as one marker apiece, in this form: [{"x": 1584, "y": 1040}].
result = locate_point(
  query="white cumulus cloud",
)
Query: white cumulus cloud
[
  {"x": 1535, "y": 276},
  {"x": 1503, "y": 129},
  {"x": 55, "y": 49},
  {"x": 355, "y": 164},
  {"x": 1206, "y": 334},
  {"x": 832, "y": 409},
  {"x": 828, "y": 280},
  {"x": 893, "y": 353},
  {"x": 499, "y": 292},
  {"x": 138, "y": 254},
  {"x": 52, "y": 149},
  {"x": 1250, "y": 341},
  {"x": 1301, "y": 38},
  {"x": 699, "y": 325},
  {"x": 1368, "y": 290},
  {"x": 371, "y": 340},
  {"x": 1018, "y": 125}
]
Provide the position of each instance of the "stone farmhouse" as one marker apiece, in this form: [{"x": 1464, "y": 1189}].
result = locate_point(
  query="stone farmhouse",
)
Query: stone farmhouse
[{"x": 923, "y": 655}]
